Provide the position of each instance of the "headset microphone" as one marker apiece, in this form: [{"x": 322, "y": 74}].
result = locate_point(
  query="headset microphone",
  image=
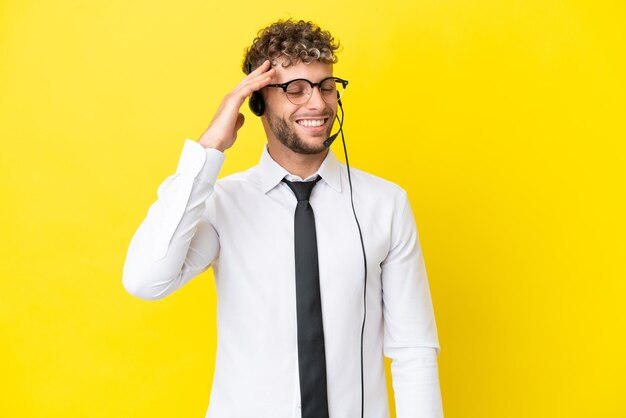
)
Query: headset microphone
[{"x": 330, "y": 140}]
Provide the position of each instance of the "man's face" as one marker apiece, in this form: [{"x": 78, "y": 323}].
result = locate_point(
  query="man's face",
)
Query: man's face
[{"x": 288, "y": 122}]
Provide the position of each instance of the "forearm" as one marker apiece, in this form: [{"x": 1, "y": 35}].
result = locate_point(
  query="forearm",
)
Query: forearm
[
  {"x": 415, "y": 379},
  {"x": 159, "y": 259}
]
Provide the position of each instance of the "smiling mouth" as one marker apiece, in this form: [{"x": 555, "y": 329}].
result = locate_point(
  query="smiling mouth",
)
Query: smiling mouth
[{"x": 312, "y": 123}]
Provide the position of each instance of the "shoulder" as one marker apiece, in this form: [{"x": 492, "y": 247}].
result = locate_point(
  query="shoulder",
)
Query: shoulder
[{"x": 377, "y": 186}]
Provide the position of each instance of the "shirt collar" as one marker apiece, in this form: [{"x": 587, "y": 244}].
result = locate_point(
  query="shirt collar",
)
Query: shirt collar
[{"x": 272, "y": 173}]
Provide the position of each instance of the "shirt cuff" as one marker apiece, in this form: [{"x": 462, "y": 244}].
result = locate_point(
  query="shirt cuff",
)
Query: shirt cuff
[{"x": 197, "y": 161}]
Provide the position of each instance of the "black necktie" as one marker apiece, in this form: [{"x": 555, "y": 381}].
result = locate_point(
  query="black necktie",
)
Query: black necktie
[{"x": 311, "y": 356}]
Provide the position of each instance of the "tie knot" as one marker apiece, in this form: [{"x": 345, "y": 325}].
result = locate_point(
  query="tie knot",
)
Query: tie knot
[{"x": 302, "y": 189}]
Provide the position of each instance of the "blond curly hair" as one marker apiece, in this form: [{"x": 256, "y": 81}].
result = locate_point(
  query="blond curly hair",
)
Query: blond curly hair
[{"x": 295, "y": 41}]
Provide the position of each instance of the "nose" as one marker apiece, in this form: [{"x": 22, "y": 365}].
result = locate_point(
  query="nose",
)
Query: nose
[{"x": 316, "y": 101}]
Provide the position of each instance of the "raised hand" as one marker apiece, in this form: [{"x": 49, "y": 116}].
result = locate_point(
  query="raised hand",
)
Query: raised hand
[{"x": 222, "y": 131}]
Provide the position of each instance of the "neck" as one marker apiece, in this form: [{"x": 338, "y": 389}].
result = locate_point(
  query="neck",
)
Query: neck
[{"x": 301, "y": 165}]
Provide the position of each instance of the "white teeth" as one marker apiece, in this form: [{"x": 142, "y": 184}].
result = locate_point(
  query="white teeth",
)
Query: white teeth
[{"x": 311, "y": 123}]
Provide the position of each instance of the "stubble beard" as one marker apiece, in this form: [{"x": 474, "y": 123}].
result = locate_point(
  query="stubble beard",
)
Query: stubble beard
[{"x": 287, "y": 136}]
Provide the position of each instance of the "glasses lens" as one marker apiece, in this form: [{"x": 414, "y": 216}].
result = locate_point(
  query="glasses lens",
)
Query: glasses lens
[
  {"x": 331, "y": 90},
  {"x": 298, "y": 92}
]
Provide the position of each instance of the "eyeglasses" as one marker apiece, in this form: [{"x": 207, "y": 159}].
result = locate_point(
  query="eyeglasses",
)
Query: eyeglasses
[{"x": 300, "y": 90}]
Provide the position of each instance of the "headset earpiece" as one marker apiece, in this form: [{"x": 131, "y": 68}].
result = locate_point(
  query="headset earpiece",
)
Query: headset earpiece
[{"x": 255, "y": 102}]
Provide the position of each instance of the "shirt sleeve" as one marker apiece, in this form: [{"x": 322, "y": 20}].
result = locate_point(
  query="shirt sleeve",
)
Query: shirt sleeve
[
  {"x": 175, "y": 242},
  {"x": 410, "y": 340}
]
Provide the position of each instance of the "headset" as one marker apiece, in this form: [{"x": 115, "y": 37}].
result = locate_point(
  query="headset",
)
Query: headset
[
  {"x": 257, "y": 106},
  {"x": 255, "y": 102}
]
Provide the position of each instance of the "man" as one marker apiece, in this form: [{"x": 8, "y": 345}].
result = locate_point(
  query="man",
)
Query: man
[{"x": 302, "y": 327}]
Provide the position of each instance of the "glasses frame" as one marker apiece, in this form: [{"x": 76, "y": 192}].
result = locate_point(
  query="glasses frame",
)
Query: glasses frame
[{"x": 284, "y": 86}]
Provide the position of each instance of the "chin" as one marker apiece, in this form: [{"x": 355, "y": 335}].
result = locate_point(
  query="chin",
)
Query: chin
[
  {"x": 306, "y": 149},
  {"x": 311, "y": 144},
  {"x": 305, "y": 143}
]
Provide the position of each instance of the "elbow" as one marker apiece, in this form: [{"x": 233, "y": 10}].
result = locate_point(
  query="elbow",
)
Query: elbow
[{"x": 140, "y": 286}]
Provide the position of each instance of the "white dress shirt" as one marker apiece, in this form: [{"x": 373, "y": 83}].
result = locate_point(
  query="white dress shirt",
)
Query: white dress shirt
[{"x": 243, "y": 226}]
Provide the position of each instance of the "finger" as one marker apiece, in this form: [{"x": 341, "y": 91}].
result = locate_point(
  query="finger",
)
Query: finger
[
  {"x": 263, "y": 67},
  {"x": 270, "y": 73},
  {"x": 250, "y": 86},
  {"x": 237, "y": 97},
  {"x": 259, "y": 78},
  {"x": 258, "y": 72},
  {"x": 245, "y": 88},
  {"x": 259, "y": 83}
]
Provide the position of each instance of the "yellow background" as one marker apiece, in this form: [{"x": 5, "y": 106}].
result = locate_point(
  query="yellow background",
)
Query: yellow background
[{"x": 504, "y": 121}]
